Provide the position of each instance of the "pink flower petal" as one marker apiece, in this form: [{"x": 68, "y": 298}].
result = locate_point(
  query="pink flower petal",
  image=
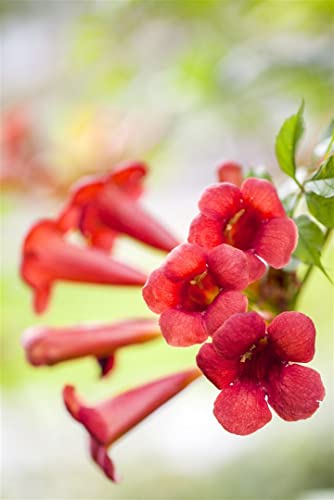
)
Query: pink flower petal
[
  {"x": 109, "y": 420},
  {"x": 221, "y": 372},
  {"x": 230, "y": 171},
  {"x": 238, "y": 334},
  {"x": 276, "y": 241},
  {"x": 129, "y": 177},
  {"x": 220, "y": 200},
  {"x": 256, "y": 268},
  {"x": 123, "y": 214},
  {"x": 294, "y": 392},
  {"x": 100, "y": 456},
  {"x": 47, "y": 346},
  {"x": 48, "y": 257},
  {"x": 225, "y": 304},
  {"x": 261, "y": 195},
  {"x": 184, "y": 262},
  {"x": 293, "y": 336},
  {"x": 242, "y": 409},
  {"x": 160, "y": 293},
  {"x": 206, "y": 232},
  {"x": 229, "y": 267},
  {"x": 182, "y": 329}
]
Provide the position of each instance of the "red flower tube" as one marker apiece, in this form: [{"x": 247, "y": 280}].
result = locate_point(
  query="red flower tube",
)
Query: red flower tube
[
  {"x": 106, "y": 422},
  {"x": 195, "y": 291},
  {"x": 251, "y": 218},
  {"x": 254, "y": 366},
  {"x": 48, "y": 346},
  {"x": 104, "y": 207},
  {"x": 230, "y": 171},
  {"x": 48, "y": 257}
]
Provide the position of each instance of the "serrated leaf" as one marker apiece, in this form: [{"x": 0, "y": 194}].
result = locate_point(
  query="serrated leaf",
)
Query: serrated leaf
[
  {"x": 287, "y": 141},
  {"x": 310, "y": 243},
  {"x": 324, "y": 188},
  {"x": 322, "y": 208}
]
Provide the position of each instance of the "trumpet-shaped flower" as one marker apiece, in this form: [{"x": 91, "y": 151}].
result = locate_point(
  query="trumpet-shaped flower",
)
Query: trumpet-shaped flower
[
  {"x": 230, "y": 171},
  {"x": 48, "y": 346},
  {"x": 48, "y": 257},
  {"x": 251, "y": 218},
  {"x": 104, "y": 207},
  {"x": 195, "y": 291},
  {"x": 256, "y": 366},
  {"x": 106, "y": 422}
]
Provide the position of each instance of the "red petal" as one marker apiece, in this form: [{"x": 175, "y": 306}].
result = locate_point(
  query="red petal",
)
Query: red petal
[
  {"x": 220, "y": 200},
  {"x": 48, "y": 257},
  {"x": 225, "y": 304},
  {"x": 242, "y": 409},
  {"x": 295, "y": 391},
  {"x": 100, "y": 456},
  {"x": 160, "y": 293},
  {"x": 229, "y": 266},
  {"x": 182, "y": 329},
  {"x": 206, "y": 232},
  {"x": 184, "y": 262},
  {"x": 238, "y": 334},
  {"x": 261, "y": 195},
  {"x": 221, "y": 372},
  {"x": 293, "y": 335},
  {"x": 111, "y": 419},
  {"x": 121, "y": 213},
  {"x": 82, "y": 194},
  {"x": 276, "y": 241},
  {"x": 129, "y": 177},
  {"x": 48, "y": 346},
  {"x": 256, "y": 267},
  {"x": 230, "y": 171},
  {"x": 98, "y": 234}
]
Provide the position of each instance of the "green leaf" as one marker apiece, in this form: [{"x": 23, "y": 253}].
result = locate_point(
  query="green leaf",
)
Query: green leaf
[
  {"x": 310, "y": 243},
  {"x": 259, "y": 173},
  {"x": 289, "y": 202},
  {"x": 287, "y": 141},
  {"x": 322, "y": 208},
  {"x": 326, "y": 170},
  {"x": 322, "y": 182}
]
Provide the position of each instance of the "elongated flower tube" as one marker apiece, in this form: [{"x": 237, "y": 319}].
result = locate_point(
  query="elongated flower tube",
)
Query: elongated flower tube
[
  {"x": 48, "y": 346},
  {"x": 48, "y": 257},
  {"x": 106, "y": 422},
  {"x": 104, "y": 207}
]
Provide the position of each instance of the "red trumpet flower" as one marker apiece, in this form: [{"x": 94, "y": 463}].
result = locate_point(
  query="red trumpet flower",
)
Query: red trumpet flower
[
  {"x": 104, "y": 207},
  {"x": 251, "y": 218},
  {"x": 49, "y": 346},
  {"x": 252, "y": 363},
  {"x": 48, "y": 257},
  {"x": 108, "y": 421},
  {"x": 196, "y": 291},
  {"x": 230, "y": 171}
]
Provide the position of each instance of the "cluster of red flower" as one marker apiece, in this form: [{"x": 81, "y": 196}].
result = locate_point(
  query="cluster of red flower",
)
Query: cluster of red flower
[{"x": 242, "y": 227}]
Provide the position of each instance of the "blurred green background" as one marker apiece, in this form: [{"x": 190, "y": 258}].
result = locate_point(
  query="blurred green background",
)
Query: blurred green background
[{"x": 182, "y": 85}]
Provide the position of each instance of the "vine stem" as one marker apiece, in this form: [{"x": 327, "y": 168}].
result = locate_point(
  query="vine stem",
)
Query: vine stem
[{"x": 309, "y": 271}]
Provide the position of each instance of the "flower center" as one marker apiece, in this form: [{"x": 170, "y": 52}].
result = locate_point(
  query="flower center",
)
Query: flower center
[
  {"x": 241, "y": 229},
  {"x": 256, "y": 363},
  {"x": 199, "y": 292}
]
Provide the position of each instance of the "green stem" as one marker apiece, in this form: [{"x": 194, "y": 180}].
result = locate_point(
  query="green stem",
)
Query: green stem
[
  {"x": 309, "y": 272},
  {"x": 329, "y": 147}
]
